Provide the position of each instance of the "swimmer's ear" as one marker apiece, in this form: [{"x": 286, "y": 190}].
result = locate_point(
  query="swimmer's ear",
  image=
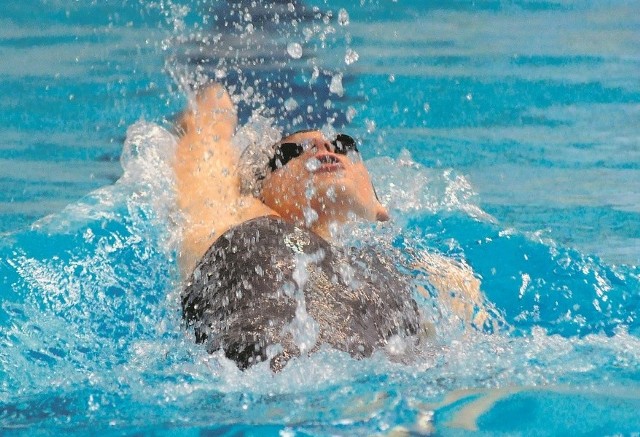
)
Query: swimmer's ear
[{"x": 211, "y": 113}]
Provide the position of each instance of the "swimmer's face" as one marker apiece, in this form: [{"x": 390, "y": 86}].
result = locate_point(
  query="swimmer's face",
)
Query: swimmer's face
[{"x": 320, "y": 179}]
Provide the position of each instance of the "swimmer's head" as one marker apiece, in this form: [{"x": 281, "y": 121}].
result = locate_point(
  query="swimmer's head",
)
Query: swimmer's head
[{"x": 313, "y": 178}]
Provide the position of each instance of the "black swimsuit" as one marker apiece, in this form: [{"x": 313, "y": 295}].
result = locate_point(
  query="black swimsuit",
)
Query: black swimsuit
[{"x": 244, "y": 292}]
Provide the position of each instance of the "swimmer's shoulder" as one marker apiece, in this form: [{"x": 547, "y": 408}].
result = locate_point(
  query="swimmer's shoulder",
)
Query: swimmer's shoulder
[{"x": 267, "y": 234}]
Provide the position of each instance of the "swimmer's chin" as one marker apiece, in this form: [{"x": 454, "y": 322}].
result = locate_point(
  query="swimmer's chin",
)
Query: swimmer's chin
[{"x": 382, "y": 215}]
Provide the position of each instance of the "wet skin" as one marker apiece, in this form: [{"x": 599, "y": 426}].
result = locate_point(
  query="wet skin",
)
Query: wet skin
[{"x": 321, "y": 187}]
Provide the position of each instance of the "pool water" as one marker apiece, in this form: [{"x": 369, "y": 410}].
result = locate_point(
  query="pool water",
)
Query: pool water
[{"x": 505, "y": 135}]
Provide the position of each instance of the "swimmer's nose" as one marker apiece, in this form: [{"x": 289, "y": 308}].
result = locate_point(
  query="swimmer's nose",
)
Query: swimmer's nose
[{"x": 323, "y": 145}]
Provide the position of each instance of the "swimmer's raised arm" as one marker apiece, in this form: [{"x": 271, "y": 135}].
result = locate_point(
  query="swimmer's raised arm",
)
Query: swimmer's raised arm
[{"x": 207, "y": 183}]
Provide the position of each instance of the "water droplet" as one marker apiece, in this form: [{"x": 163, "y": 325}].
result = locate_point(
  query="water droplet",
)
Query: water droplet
[
  {"x": 308, "y": 33},
  {"x": 343, "y": 17},
  {"x": 336, "y": 85},
  {"x": 426, "y": 107},
  {"x": 290, "y": 104},
  {"x": 287, "y": 432},
  {"x": 88, "y": 235},
  {"x": 351, "y": 56},
  {"x": 331, "y": 194},
  {"x": 310, "y": 216},
  {"x": 351, "y": 113},
  {"x": 469, "y": 97},
  {"x": 295, "y": 50},
  {"x": 371, "y": 125},
  {"x": 314, "y": 75},
  {"x": 312, "y": 165},
  {"x": 396, "y": 345},
  {"x": 392, "y": 78}
]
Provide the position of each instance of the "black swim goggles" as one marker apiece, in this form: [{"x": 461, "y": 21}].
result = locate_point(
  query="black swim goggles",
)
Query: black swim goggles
[{"x": 285, "y": 152}]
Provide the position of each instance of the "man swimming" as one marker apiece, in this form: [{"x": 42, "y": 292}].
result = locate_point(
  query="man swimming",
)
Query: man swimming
[{"x": 265, "y": 280}]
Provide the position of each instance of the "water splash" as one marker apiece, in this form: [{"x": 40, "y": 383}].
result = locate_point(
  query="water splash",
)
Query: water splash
[{"x": 92, "y": 334}]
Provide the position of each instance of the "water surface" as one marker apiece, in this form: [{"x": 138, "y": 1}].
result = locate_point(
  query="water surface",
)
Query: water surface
[{"x": 501, "y": 134}]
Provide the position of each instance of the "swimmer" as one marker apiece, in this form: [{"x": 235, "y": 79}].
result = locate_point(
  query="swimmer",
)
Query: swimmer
[
  {"x": 214, "y": 196},
  {"x": 265, "y": 280}
]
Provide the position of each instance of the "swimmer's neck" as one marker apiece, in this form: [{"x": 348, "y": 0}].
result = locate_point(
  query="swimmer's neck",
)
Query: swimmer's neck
[
  {"x": 328, "y": 225},
  {"x": 328, "y": 228},
  {"x": 325, "y": 231}
]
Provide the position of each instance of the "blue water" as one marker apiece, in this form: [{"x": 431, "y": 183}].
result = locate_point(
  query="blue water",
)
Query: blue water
[{"x": 502, "y": 135}]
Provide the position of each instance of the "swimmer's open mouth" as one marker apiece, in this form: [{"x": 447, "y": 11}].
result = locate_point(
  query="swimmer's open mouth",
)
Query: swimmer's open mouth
[{"x": 328, "y": 163}]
